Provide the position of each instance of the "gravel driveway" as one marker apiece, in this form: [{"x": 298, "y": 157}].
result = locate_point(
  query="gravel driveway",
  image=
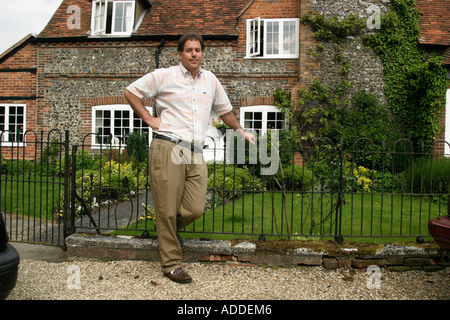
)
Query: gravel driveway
[{"x": 100, "y": 280}]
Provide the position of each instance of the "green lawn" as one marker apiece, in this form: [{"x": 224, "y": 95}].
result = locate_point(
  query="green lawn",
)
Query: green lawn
[
  {"x": 304, "y": 215},
  {"x": 32, "y": 196}
]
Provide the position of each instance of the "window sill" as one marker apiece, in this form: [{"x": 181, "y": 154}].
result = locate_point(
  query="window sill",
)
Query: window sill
[
  {"x": 270, "y": 58},
  {"x": 13, "y": 144},
  {"x": 102, "y": 36}
]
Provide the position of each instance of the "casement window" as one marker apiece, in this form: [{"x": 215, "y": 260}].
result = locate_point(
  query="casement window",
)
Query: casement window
[
  {"x": 112, "y": 17},
  {"x": 111, "y": 124},
  {"x": 262, "y": 118},
  {"x": 12, "y": 122},
  {"x": 272, "y": 38}
]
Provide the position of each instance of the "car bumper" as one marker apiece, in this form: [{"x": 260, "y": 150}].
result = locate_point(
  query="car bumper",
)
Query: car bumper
[{"x": 9, "y": 267}]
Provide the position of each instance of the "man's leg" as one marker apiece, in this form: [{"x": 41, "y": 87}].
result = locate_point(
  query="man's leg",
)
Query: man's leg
[
  {"x": 194, "y": 196},
  {"x": 167, "y": 185}
]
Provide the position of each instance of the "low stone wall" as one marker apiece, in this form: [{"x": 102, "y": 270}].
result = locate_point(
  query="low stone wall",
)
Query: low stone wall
[{"x": 328, "y": 254}]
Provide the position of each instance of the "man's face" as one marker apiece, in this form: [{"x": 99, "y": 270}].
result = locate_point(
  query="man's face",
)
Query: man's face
[{"x": 192, "y": 55}]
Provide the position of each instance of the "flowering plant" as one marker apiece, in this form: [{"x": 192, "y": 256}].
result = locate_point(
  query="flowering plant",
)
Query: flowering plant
[
  {"x": 149, "y": 213},
  {"x": 219, "y": 124}
]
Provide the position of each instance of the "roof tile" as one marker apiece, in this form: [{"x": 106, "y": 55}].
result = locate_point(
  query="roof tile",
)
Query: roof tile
[
  {"x": 434, "y": 22},
  {"x": 165, "y": 17}
]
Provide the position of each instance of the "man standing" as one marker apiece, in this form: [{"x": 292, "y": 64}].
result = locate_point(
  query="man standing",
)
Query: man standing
[{"x": 185, "y": 95}]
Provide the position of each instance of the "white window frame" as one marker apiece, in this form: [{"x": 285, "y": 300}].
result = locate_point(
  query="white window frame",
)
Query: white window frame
[
  {"x": 98, "y": 16},
  {"x": 100, "y": 11},
  {"x": 5, "y": 131},
  {"x": 257, "y": 35},
  {"x": 116, "y": 140},
  {"x": 254, "y": 37},
  {"x": 264, "y": 110},
  {"x": 131, "y": 18}
]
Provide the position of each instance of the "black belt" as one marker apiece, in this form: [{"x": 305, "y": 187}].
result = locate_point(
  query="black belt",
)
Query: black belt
[{"x": 178, "y": 141}]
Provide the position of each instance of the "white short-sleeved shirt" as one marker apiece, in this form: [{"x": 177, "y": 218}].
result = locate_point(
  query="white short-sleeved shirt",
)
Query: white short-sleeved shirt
[{"x": 183, "y": 103}]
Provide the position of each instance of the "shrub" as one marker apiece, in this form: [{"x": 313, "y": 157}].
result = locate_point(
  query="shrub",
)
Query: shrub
[
  {"x": 228, "y": 181},
  {"x": 115, "y": 181},
  {"x": 136, "y": 146},
  {"x": 16, "y": 167},
  {"x": 296, "y": 177},
  {"x": 429, "y": 176}
]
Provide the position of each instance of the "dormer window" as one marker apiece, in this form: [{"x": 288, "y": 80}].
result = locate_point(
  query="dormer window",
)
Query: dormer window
[{"x": 115, "y": 17}]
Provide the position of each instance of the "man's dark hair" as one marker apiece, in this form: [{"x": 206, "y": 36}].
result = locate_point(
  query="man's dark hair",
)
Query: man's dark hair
[{"x": 190, "y": 36}]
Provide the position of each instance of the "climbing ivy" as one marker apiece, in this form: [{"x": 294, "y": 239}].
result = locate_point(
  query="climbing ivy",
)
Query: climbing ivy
[
  {"x": 333, "y": 28},
  {"x": 415, "y": 81}
]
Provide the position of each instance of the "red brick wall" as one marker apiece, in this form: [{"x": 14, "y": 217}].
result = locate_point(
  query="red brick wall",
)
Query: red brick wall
[
  {"x": 20, "y": 84},
  {"x": 299, "y": 69}
]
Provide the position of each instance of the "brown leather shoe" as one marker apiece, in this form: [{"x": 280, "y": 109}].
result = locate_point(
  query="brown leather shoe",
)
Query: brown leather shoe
[{"x": 178, "y": 275}]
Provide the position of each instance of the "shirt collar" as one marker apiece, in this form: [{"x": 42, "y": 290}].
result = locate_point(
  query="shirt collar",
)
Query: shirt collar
[{"x": 186, "y": 72}]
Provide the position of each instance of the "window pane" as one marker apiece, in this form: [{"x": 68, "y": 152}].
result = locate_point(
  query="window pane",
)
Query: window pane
[
  {"x": 254, "y": 37},
  {"x": 118, "y": 23},
  {"x": 119, "y": 10},
  {"x": 101, "y": 128},
  {"x": 248, "y": 122},
  {"x": 2, "y": 117},
  {"x": 289, "y": 33},
  {"x": 139, "y": 125},
  {"x": 123, "y": 18},
  {"x": 129, "y": 17},
  {"x": 121, "y": 126},
  {"x": 272, "y": 37},
  {"x": 99, "y": 16}
]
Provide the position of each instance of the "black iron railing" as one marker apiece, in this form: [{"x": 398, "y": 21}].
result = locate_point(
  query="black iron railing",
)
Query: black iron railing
[{"x": 50, "y": 188}]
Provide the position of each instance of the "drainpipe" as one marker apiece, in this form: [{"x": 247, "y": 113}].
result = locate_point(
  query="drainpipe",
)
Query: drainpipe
[{"x": 158, "y": 52}]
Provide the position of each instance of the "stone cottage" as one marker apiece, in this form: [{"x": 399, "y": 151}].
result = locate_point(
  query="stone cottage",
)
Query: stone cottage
[{"x": 72, "y": 75}]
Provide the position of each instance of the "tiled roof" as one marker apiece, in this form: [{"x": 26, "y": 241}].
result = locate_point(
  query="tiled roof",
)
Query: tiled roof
[
  {"x": 165, "y": 17},
  {"x": 57, "y": 26},
  {"x": 434, "y": 22},
  {"x": 213, "y": 17}
]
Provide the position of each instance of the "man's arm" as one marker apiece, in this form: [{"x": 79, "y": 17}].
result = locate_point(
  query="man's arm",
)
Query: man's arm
[
  {"x": 138, "y": 106},
  {"x": 230, "y": 120}
]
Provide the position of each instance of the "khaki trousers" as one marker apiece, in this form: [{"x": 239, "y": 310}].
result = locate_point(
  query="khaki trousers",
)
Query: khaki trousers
[{"x": 178, "y": 181}]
